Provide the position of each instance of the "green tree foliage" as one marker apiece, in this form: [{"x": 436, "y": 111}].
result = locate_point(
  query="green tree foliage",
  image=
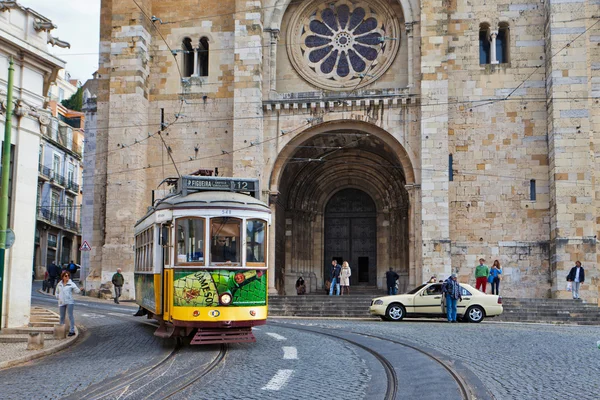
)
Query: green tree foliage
[{"x": 75, "y": 102}]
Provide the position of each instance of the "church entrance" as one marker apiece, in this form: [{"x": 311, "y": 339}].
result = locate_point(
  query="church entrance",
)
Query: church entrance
[{"x": 351, "y": 235}]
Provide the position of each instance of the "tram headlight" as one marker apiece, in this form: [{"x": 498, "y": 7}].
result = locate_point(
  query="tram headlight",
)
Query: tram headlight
[
  {"x": 378, "y": 302},
  {"x": 225, "y": 299}
]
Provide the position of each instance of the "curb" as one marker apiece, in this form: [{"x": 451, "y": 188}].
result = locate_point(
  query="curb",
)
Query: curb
[{"x": 41, "y": 353}]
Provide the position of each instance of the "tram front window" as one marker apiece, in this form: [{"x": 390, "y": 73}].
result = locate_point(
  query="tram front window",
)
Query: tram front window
[
  {"x": 190, "y": 240},
  {"x": 225, "y": 240},
  {"x": 255, "y": 241}
]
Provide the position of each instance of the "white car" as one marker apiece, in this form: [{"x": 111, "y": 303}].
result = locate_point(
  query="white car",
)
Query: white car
[{"x": 427, "y": 300}]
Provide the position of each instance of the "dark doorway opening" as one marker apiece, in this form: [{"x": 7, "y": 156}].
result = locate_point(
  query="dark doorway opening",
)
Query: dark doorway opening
[
  {"x": 363, "y": 269},
  {"x": 351, "y": 234}
]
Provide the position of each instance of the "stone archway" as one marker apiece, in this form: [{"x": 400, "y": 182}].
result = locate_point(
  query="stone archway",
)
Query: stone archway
[{"x": 309, "y": 174}]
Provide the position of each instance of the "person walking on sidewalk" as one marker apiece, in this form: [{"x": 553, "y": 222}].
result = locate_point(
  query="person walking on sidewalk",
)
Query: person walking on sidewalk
[
  {"x": 451, "y": 290},
  {"x": 481, "y": 275},
  {"x": 577, "y": 276},
  {"x": 118, "y": 281},
  {"x": 64, "y": 294},
  {"x": 53, "y": 273}
]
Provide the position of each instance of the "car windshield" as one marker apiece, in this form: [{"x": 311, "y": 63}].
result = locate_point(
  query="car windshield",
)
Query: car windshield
[{"x": 415, "y": 290}]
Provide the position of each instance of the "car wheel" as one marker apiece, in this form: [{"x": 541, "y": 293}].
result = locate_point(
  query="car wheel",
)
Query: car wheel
[
  {"x": 475, "y": 314},
  {"x": 395, "y": 312}
]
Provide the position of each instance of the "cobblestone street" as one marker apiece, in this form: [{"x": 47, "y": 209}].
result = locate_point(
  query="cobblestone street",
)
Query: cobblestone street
[{"x": 510, "y": 361}]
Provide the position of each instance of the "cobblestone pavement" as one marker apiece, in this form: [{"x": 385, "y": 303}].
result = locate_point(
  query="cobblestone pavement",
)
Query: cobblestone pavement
[
  {"x": 110, "y": 345},
  {"x": 515, "y": 361}
]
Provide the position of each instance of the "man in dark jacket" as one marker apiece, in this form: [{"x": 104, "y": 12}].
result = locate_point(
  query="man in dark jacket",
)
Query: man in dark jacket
[
  {"x": 391, "y": 277},
  {"x": 452, "y": 293},
  {"x": 335, "y": 278},
  {"x": 118, "y": 281},
  {"x": 53, "y": 273},
  {"x": 577, "y": 276}
]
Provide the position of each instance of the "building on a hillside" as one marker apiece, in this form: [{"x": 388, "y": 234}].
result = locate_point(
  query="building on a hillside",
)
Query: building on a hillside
[
  {"x": 417, "y": 135},
  {"x": 58, "y": 229},
  {"x": 24, "y": 36},
  {"x": 63, "y": 88}
]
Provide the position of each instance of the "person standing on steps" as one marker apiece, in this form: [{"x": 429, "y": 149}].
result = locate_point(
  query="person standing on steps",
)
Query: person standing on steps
[
  {"x": 481, "y": 275},
  {"x": 64, "y": 294},
  {"x": 495, "y": 275},
  {"x": 390, "y": 278},
  {"x": 345, "y": 275},
  {"x": 577, "y": 276},
  {"x": 118, "y": 281},
  {"x": 335, "y": 278},
  {"x": 300, "y": 286}
]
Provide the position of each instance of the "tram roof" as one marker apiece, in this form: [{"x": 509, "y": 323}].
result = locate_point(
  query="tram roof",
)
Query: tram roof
[{"x": 212, "y": 199}]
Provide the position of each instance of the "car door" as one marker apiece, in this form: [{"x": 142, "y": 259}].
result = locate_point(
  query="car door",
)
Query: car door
[
  {"x": 428, "y": 300},
  {"x": 461, "y": 306}
]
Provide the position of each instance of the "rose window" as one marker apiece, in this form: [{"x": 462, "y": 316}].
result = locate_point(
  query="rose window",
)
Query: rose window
[{"x": 343, "y": 44}]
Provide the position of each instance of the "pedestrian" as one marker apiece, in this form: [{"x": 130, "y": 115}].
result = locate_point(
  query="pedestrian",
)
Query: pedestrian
[
  {"x": 391, "y": 277},
  {"x": 72, "y": 268},
  {"x": 495, "y": 276},
  {"x": 345, "y": 275},
  {"x": 64, "y": 294},
  {"x": 335, "y": 278},
  {"x": 481, "y": 275},
  {"x": 577, "y": 276},
  {"x": 300, "y": 286},
  {"x": 118, "y": 281},
  {"x": 451, "y": 289},
  {"x": 53, "y": 274}
]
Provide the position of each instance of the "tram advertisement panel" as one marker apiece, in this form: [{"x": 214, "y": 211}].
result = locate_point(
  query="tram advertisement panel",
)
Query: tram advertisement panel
[{"x": 203, "y": 288}]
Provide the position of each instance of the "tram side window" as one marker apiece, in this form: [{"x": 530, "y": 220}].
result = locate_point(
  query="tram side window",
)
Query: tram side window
[
  {"x": 190, "y": 241},
  {"x": 256, "y": 231},
  {"x": 144, "y": 243},
  {"x": 225, "y": 240}
]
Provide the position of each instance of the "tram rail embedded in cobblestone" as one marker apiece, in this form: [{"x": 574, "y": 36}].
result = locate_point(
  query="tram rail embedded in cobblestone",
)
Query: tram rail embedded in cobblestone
[
  {"x": 201, "y": 257},
  {"x": 392, "y": 379}
]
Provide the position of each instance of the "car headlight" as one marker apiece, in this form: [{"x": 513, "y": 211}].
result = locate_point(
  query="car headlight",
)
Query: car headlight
[
  {"x": 378, "y": 302},
  {"x": 225, "y": 299}
]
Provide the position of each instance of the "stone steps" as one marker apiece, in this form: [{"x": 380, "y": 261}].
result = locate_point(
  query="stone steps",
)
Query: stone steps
[
  {"x": 515, "y": 310},
  {"x": 16, "y": 338}
]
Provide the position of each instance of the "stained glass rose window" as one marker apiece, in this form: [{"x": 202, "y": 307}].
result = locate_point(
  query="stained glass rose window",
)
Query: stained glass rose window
[{"x": 342, "y": 44}]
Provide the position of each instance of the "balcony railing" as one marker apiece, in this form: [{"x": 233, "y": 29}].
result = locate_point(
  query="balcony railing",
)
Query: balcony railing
[
  {"x": 57, "y": 178},
  {"x": 45, "y": 171},
  {"x": 72, "y": 186},
  {"x": 56, "y": 219}
]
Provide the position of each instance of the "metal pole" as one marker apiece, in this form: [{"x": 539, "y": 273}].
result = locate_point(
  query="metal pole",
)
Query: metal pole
[{"x": 4, "y": 180}]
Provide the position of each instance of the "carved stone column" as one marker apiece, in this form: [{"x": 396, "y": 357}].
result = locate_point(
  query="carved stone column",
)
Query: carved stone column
[
  {"x": 273, "y": 57},
  {"x": 409, "y": 35},
  {"x": 493, "y": 56},
  {"x": 196, "y": 73}
]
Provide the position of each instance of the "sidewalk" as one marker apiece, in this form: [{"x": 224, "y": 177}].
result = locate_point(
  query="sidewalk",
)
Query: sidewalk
[{"x": 13, "y": 341}]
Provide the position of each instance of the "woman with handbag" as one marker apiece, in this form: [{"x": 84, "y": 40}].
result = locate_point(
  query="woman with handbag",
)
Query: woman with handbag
[{"x": 495, "y": 276}]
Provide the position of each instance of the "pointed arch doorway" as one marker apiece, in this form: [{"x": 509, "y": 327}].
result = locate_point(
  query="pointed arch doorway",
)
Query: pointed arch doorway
[{"x": 351, "y": 235}]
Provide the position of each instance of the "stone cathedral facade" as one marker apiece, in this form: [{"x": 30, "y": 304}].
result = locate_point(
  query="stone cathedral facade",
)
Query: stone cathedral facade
[{"x": 417, "y": 135}]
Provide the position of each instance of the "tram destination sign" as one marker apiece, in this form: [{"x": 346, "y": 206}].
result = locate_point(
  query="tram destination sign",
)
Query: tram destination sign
[{"x": 212, "y": 183}]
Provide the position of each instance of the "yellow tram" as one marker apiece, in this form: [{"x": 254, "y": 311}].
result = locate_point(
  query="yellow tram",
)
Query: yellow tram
[{"x": 201, "y": 258}]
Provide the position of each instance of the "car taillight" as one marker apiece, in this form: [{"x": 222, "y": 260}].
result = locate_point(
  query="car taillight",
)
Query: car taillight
[{"x": 499, "y": 300}]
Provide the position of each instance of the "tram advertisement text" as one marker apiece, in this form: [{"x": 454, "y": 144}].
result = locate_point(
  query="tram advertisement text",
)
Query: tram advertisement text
[{"x": 203, "y": 288}]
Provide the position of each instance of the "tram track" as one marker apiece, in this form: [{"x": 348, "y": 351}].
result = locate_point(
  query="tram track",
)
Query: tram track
[{"x": 392, "y": 378}]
